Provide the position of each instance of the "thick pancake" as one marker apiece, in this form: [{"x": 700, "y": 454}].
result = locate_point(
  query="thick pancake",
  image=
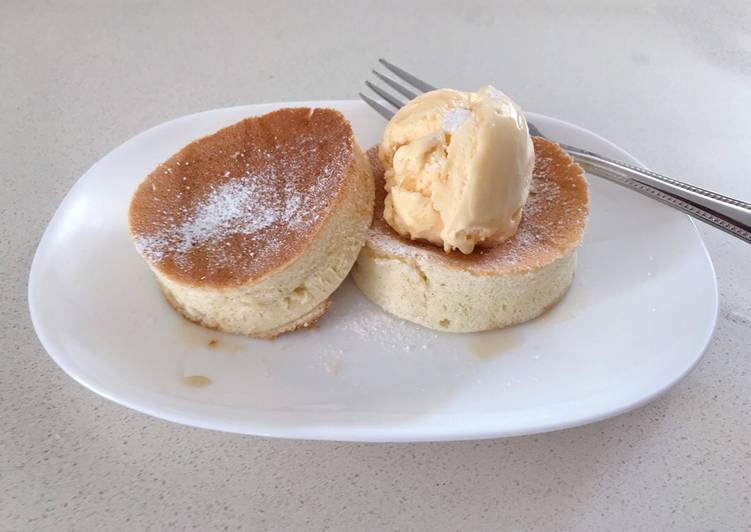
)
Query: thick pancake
[
  {"x": 552, "y": 225},
  {"x": 491, "y": 287},
  {"x": 238, "y": 205},
  {"x": 251, "y": 229}
]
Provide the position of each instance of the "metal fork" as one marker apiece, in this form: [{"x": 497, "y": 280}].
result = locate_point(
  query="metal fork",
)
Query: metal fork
[{"x": 728, "y": 214}]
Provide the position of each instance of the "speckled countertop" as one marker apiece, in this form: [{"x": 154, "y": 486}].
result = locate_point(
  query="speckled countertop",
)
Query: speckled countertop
[{"x": 670, "y": 84}]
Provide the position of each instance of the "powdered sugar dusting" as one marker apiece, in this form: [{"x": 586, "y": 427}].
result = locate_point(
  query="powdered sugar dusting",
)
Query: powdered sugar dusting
[
  {"x": 496, "y": 94},
  {"x": 454, "y": 118},
  {"x": 394, "y": 334},
  {"x": 245, "y": 205},
  {"x": 229, "y": 209},
  {"x": 238, "y": 210}
]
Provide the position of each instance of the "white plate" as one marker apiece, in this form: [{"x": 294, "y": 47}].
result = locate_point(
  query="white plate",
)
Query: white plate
[{"x": 637, "y": 319}]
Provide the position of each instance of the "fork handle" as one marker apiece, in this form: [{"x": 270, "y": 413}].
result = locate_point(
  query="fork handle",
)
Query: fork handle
[{"x": 728, "y": 214}]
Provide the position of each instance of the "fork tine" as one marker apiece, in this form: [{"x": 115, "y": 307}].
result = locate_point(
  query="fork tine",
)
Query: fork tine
[
  {"x": 393, "y": 100},
  {"x": 409, "y": 78},
  {"x": 416, "y": 83},
  {"x": 380, "y": 109},
  {"x": 404, "y": 91}
]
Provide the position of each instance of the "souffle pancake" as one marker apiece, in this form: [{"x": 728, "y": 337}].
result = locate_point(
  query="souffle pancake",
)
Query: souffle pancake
[
  {"x": 491, "y": 287},
  {"x": 249, "y": 230}
]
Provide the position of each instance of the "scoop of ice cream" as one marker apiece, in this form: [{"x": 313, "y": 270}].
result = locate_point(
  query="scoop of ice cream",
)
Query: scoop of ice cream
[{"x": 458, "y": 168}]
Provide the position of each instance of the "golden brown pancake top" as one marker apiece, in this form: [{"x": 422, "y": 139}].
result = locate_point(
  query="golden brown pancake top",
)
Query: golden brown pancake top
[
  {"x": 237, "y": 205},
  {"x": 553, "y": 220}
]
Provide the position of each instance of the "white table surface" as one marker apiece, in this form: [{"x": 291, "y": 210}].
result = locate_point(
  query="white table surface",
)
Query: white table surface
[{"x": 670, "y": 84}]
